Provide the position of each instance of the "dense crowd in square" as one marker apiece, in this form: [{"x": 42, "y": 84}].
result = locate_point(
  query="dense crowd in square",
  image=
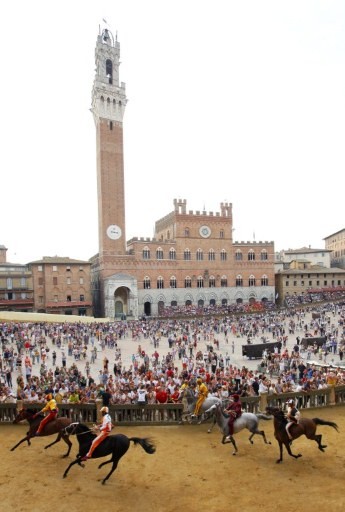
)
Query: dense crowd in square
[{"x": 82, "y": 362}]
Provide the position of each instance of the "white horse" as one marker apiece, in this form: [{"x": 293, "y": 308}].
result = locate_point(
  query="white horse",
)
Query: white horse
[
  {"x": 246, "y": 420},
  {"x": 191, "y": 399}
]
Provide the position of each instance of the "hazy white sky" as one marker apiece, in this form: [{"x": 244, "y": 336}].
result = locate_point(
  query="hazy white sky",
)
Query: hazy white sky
[{"x": 238, "y": 101}]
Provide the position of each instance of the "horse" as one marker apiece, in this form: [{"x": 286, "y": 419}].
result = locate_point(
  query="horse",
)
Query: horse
[
  {"x": 305, "y": 426},
  {"x": 56, "y": 426},
  {"x": 188, "y": 393},
  {"x": 247, "y": 420},
  {"x": 114, "y": 445}
]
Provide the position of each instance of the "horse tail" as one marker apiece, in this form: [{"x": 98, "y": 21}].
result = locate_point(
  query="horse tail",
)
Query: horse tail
[
  {"x": 318, "y": 421},
  {"x": 261, "y": 416},
  {"x": 145, "y": 443}
]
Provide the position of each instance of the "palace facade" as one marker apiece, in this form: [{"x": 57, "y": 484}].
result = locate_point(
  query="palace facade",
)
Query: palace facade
[{"x": 192, "y": 260}]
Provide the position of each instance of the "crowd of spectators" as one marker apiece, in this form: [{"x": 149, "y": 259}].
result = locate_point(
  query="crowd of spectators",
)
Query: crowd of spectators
[{"x": 31, "y": 354}]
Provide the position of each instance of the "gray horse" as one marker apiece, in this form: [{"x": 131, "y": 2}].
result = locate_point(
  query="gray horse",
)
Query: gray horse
[
  {"x": 191, "y": 399},
  {"x": 246, "y": 420}
]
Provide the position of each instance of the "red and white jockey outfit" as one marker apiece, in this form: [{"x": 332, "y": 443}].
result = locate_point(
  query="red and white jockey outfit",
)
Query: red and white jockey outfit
[{"x": 105, "y": 429}]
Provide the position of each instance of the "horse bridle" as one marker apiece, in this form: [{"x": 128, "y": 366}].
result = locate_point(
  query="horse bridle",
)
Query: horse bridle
[{"x": 67, "y": 433}]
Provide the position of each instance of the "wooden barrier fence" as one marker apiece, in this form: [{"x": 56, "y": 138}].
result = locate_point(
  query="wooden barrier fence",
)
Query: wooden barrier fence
[{"x": 172, "y": 414}]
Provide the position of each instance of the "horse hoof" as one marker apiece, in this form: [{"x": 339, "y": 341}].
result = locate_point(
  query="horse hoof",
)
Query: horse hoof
[
  {"x": 209, "y": 431},
  {"x": 278, "y": 461},
  {"x": 234, "y": 453}
]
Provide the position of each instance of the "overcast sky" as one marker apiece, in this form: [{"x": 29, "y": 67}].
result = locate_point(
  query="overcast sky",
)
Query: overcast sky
[{"x": 237, "y": 101}]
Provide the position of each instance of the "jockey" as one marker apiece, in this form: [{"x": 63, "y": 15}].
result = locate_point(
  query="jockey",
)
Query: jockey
[
  {"x": 104, "y": 428},
  {"x": 202, "y": 395},
  {"x": 293, "y": 415},
  {"x": 50, "y": 406},
  {"x": 234, "y": 410}
]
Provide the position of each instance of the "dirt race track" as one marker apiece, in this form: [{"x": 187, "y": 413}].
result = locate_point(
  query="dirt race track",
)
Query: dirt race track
[{"x": 191, "y": 471}]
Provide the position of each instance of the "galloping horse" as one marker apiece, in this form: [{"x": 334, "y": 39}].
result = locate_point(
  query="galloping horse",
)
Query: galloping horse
[
  {"x": 305, "y": 426},
  {"x": 191, "y": 401},
  {"x": 116, "y": 445},
  {"x": 56, "y": 426},
  {"x": 247, "y": 420}
]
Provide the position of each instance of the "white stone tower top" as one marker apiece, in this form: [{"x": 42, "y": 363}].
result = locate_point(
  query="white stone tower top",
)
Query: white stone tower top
[{"x": 108, "y": 94}]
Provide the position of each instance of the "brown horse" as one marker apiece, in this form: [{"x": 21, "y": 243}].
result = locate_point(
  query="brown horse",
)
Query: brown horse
[
  {"x": 305, "y": 426},
  {"x": 56, "y": 426}
]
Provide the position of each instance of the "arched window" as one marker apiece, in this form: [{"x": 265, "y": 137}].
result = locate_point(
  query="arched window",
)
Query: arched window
[
  {"x": 146, "y": 253},
  {"x": 223, "y": 255},
  {"x": 239, "y": 280},
  {"x": 109, "y": 70},
  {"x": 159, "y": 253},
  {"x": 264, "y": 255},
  {"x": 188, "y": 302},
  {"x": 212, "y": 302},
  {"x": 200, "y": 282},
  {"x": 224, "y": 302},
  {"x": 173, "y": 283},
  {"x": 147, "y": 283},
  {"x": 221, "y": 233},
  {"x": 251, "y": 281},
  {"x": 160, "y": 283},
  {"x": 211, "y": 255},
  {"x": 212, "y": 282},
  {"x": 238, "y": 255},
  {"x": 223, "y": 282},
  {"x": 186, "y": 232},
  {"x": 186, "y": 255},
  {"x": 251, "y": 255},
  {"x": 187, "y": 282},
  {"x": 200, "y": 303},
  {"x": 172, "y": 254},
  {"x": 199, "y": 255},
  {"x": 264, "y": 280}
]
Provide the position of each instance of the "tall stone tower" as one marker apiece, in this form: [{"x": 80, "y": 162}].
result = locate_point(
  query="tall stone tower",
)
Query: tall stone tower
[{"x": 108, "y": 107}]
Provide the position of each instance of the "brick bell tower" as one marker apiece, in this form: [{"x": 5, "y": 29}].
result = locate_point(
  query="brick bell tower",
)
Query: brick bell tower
[{"x": 108, "y": 108}]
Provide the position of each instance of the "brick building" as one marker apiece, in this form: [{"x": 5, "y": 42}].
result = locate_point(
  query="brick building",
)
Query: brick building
[
  {"x": 16, "y": 285},
  {"x": 336, "y": 244},
  {"x": 192, "y": 259},
  {"x": 61, "y": 286}
]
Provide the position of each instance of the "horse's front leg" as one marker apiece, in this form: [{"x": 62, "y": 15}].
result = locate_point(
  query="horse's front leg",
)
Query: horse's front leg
[
  {"x": 27, "y": 438},
  {"x": 76, "y": 461},
  {"x": 288, "y": 449},
  {"x": 214, "y": 421},
  {"x": 232, "y": 440},
  {"x": 54, "y": 442},
  {"x": 115, "y": 463},
  {"x": 280, "y": 452}
]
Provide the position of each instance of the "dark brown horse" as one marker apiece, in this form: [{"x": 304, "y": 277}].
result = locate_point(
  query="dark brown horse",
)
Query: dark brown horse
[
  {"x": 56, "y": 426},
  {"x": 305, "y": 426}
]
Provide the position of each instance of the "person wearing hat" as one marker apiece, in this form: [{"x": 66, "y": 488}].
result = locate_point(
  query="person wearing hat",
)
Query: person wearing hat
[
  {"x": 202, "y": 390},
  {"x": 234, "y": 409},
  {"x": 292, "y": 415},
  {"x": 104, "y": 428},
  {"x": 52, "y": 409}
]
